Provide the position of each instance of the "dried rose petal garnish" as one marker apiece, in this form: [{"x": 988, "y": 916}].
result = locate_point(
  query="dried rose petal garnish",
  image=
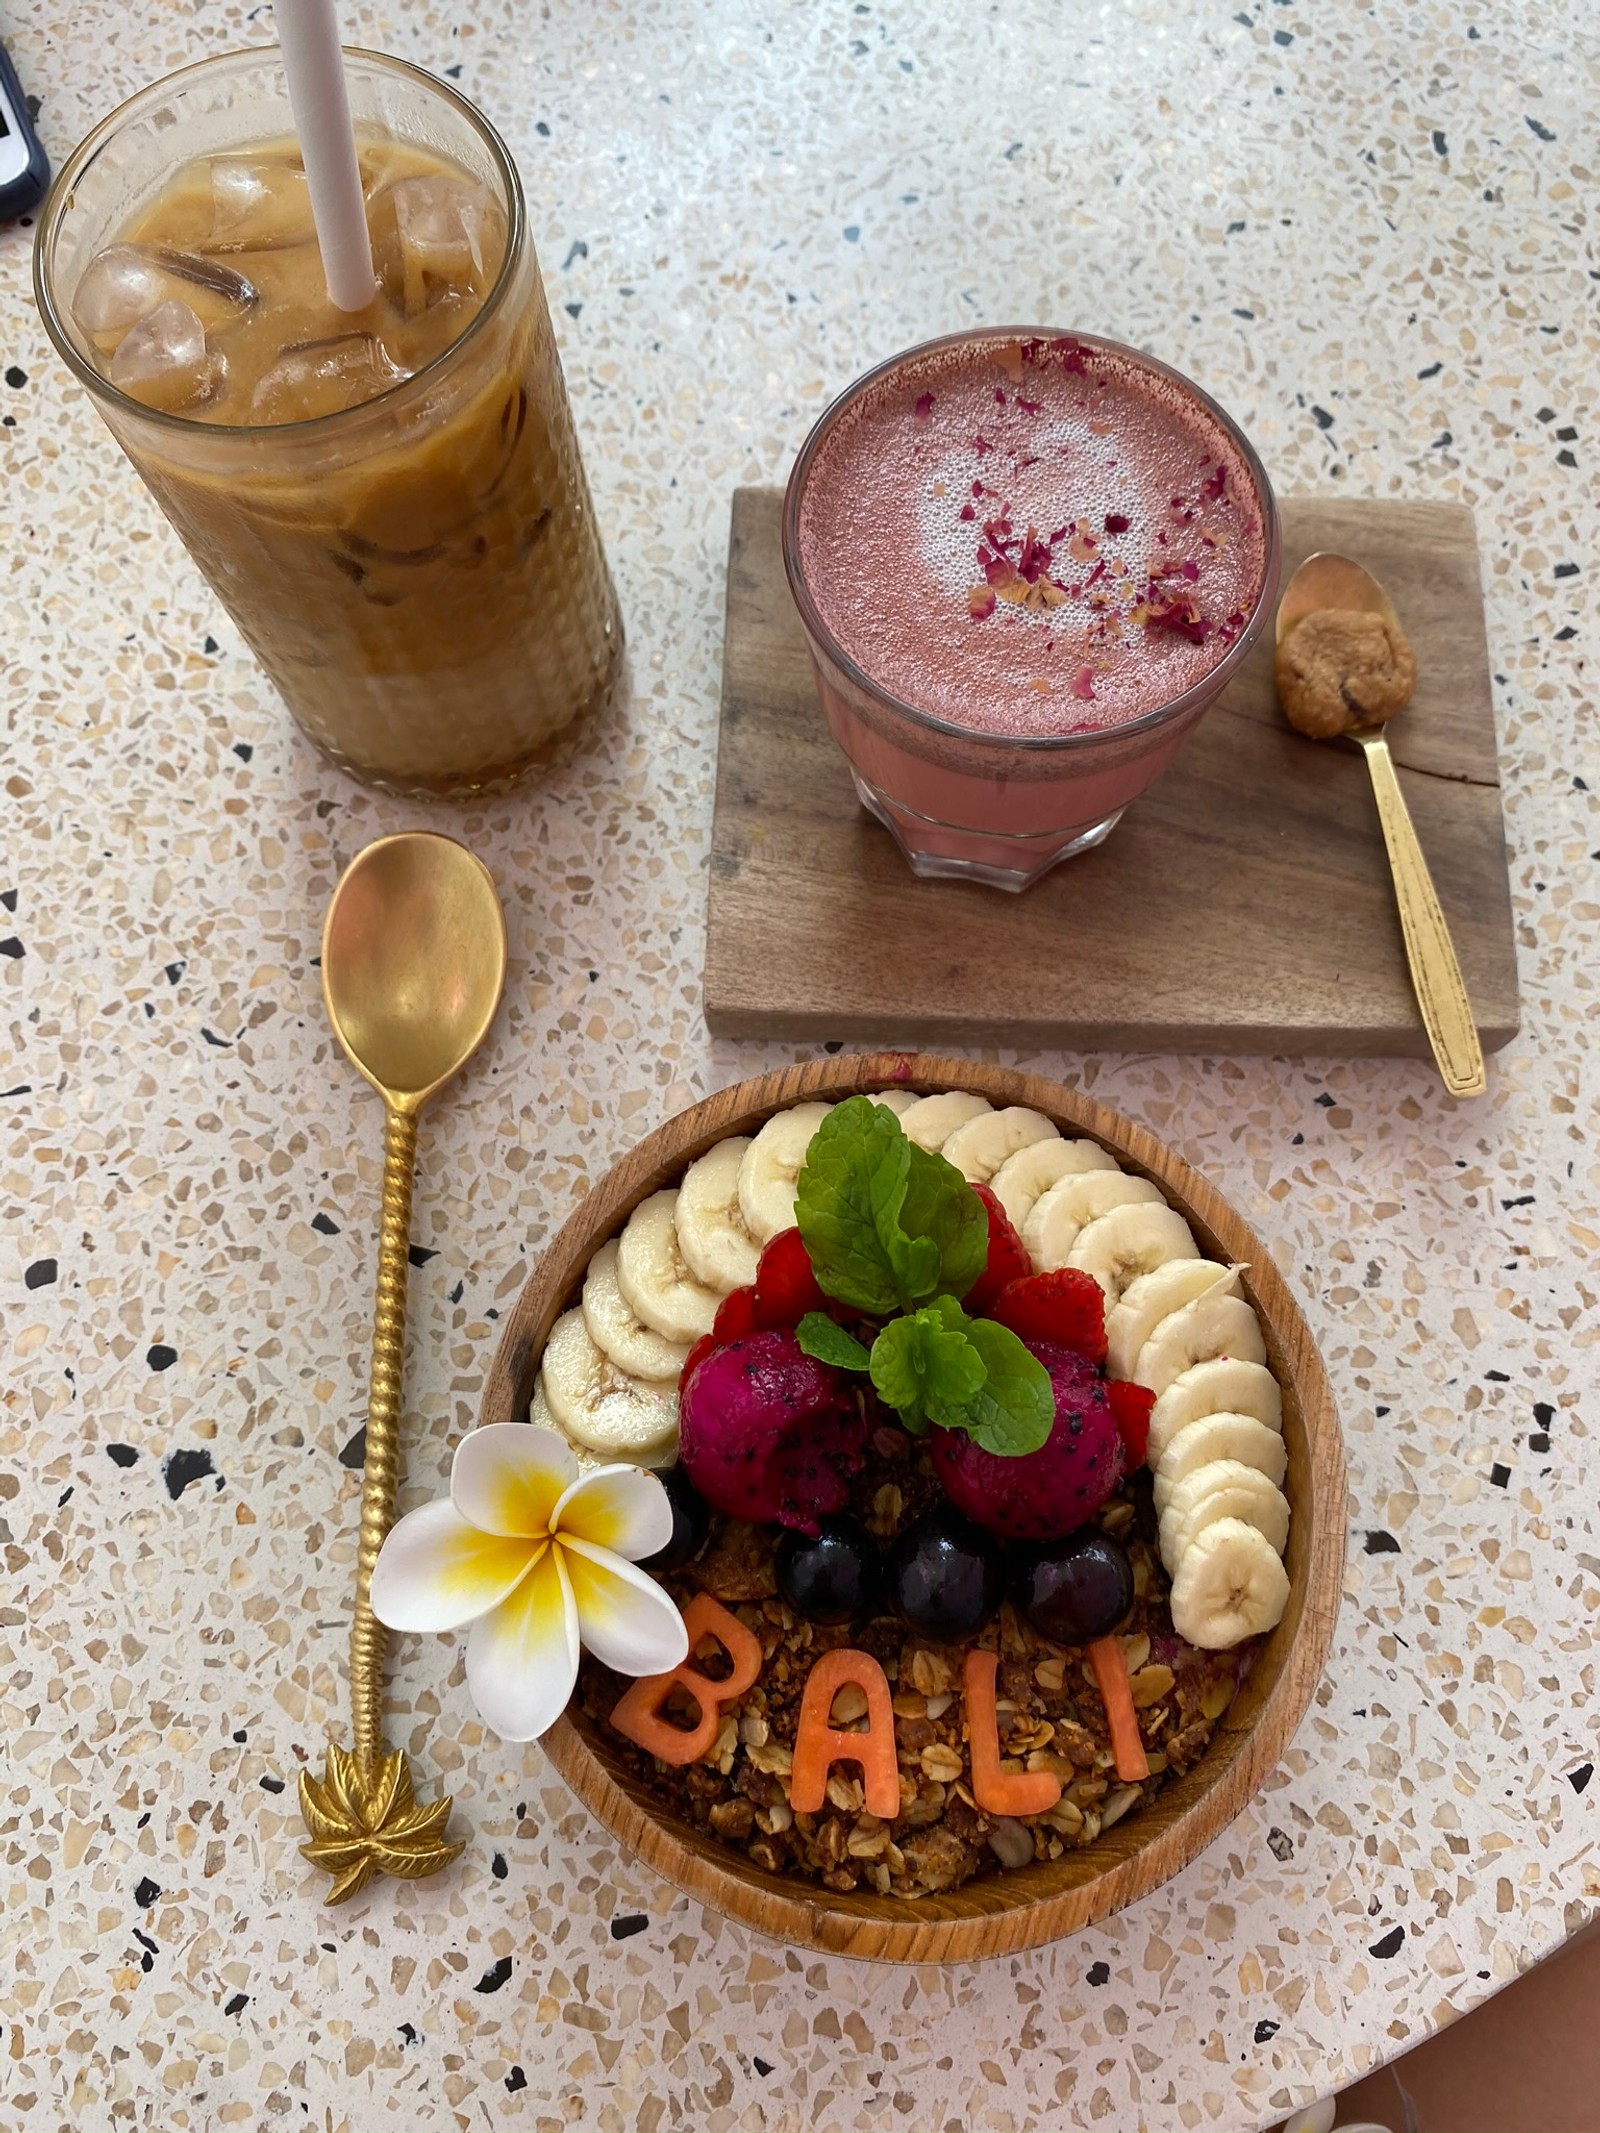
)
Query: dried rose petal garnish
[
  {"x": 1070, "y": 354},
  {"x": 1182, "y": 618}
]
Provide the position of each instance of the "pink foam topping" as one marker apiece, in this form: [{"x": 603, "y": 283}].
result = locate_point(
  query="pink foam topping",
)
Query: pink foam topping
[{"x": 1031, "y": 536}]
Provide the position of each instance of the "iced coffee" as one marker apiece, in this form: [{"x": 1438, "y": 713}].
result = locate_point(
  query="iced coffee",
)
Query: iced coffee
[{"x": 389, "y": 502}]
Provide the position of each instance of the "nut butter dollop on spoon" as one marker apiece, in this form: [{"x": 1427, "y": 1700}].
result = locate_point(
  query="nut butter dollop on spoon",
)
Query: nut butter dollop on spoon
[{"x": 1344, "y": 667}]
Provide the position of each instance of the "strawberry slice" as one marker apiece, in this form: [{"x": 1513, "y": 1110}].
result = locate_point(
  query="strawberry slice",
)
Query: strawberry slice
[
  {"x": 704, "y": 1346},
  {"x": 736, "y": 1316},
  {"x": 1008, "y": 1259},
  {"x": 1130, "y": 1410},
  {"x": 1066, "y": 1306},
  {"x": 786, "y": 1289}
]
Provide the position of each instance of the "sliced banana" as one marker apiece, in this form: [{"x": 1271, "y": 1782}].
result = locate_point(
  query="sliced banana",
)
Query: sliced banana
[
  {"x": 1224, "y": 1385},
  {"x": 656, "y": 1284},
  {"x": 1229, "y": 1585},
  {"x": 542, "y": 1416},
  {"x": 899, "y": 1101},
  {"x": 1022, "y": 1177},
  {"x": 1211, "y": 1326},
  {"x": 1056, "y": 1217},
  {"x": 598, "y": 1406},
  {"x": 616, "y": 1329},
  {"x": 980, "y": 1146},
  {"x": 772, "y": 1163},
  {"x": 717, "y": 1247},
  {"x": 1239, "y": 1437},
  {"x": 1117, "y": 1248},
  {"x": 1145, "y": 1302},
  {"x": 931, "y": 1120},
  {"x": 1222, "y": 1488}
]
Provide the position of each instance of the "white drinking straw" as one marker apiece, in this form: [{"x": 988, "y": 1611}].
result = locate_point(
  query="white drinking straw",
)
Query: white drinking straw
[{"x": 309, "y": 35}]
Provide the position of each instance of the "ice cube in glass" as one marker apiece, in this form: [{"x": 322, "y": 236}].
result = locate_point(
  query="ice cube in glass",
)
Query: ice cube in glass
[
  {"x": 322, "y": 377},
  {"x": 258, "y": 205},
  {"x": 444, "y": 230},
  {"x": 164, "y": 362}
]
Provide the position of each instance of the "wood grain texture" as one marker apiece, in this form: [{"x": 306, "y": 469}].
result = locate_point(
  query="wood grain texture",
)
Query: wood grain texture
[
  {"x": 1242, "y": 905},
  {"x": 1042, "y": 1902}
]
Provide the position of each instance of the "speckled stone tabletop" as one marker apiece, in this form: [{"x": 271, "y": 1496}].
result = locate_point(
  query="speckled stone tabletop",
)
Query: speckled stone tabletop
[{"x": 1370, "y": 232}]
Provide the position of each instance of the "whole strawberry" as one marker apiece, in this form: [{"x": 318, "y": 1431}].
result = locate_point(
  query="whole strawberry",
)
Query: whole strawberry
[
  {"x": 768, "y": 1433},
  {"x": 1045, "y": 1494}
]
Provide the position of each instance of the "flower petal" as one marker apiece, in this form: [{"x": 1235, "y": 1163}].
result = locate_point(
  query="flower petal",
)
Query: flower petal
[
  {"x": 522, "y": 1659},
  {"x": 434, "y": 1571},
  {"x": 624, "y": 1617},
  {"x": 619, "y": 1508},
  {"x": 509, "y": 1476}
]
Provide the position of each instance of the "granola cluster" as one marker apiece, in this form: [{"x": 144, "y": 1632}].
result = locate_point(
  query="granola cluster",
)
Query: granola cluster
[{"x": 1050, "y": 1714}]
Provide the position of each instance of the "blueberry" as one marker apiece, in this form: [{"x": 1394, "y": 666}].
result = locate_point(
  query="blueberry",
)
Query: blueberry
[
  {"x": 691, "y": 1522},
  {"x": 946, "y": 1576},
  {"x": 833, "y": 1578},
  {"x": 1076, "y": 1589}
]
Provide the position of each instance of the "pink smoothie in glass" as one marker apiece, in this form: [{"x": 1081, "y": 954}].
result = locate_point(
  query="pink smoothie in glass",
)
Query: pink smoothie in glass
[
  {"x": 1031, "y": 540},
  {"x": 1026, "y": 564}
]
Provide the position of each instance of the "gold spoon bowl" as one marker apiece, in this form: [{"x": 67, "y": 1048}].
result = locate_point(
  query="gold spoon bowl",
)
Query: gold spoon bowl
[
  {"x": 413, "y": 969},
  {"x": 1326, "y": 581},
  {"x": 413, "y": 963}
]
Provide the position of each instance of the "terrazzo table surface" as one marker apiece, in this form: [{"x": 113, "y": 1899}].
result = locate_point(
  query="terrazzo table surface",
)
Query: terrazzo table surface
[{"x": 1370, "y": 233}]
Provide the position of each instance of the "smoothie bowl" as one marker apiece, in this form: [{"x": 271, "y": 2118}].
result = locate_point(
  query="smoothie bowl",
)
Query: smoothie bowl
[
  {"x": 954, "y": 1677},
  {"x": 1027, "y": 563}
]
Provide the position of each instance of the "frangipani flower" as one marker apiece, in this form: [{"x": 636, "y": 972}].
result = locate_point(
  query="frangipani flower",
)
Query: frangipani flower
[{"x": 537, "y": 1559}]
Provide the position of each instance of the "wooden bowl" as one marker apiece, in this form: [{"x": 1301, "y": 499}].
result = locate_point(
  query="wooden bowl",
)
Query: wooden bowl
[{"x": 1023, "y": 1908}]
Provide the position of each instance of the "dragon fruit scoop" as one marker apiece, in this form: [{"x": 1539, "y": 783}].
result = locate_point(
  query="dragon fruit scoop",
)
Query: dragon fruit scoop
[
  {"x": 768, "y": 1433},
  {"x": 1044, "y": 1494}
]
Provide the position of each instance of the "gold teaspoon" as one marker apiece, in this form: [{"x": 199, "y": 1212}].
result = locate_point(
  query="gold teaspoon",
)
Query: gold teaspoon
[
  {"x": 413, "y": 967},
  {"x": 1334, "y": 581}
]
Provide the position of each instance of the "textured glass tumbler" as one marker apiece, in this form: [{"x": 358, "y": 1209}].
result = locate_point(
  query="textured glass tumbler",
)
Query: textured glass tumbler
[
  {"x": 420, "y": 575},
  {"x": 982, "y": 806}
]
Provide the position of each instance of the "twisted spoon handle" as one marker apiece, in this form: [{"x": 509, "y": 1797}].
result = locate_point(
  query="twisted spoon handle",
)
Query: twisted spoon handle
[
  {"x": 1435, "y": 973},
  {"x": 363, "y": 1816},
  {"x": 380, "y": 1474}
]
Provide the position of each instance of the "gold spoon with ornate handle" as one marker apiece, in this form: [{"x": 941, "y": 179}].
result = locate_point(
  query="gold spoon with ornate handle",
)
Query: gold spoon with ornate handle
[
  {"x": 1334, "y": 581},
  {"x": 413, "y": 967}
]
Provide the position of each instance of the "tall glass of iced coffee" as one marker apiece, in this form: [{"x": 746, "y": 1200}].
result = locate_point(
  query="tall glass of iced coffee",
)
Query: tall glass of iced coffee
[{"x": 389, "y": 502}]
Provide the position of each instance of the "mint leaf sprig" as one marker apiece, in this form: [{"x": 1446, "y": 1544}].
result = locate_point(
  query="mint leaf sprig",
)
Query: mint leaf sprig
[
  {"x": 886, "y": 1225},
  {"x": 896, "y": 1233}
]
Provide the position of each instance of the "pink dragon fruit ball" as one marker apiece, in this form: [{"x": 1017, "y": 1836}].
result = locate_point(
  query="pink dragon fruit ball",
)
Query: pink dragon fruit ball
[
  {"x": 767, "y": 1433},
  {"x": 1044, "y": 1494}
]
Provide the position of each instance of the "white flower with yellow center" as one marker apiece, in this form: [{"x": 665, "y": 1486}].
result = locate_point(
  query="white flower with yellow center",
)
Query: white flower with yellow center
[{"x": 538, "y": 1559}]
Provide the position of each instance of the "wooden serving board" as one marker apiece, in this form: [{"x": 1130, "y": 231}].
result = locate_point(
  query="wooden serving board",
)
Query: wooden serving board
[{"x": 1243, "y": 904}]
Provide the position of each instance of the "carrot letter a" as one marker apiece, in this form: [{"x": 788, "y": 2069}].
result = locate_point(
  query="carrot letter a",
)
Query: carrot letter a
[{"x": 818, "y": 1745}]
